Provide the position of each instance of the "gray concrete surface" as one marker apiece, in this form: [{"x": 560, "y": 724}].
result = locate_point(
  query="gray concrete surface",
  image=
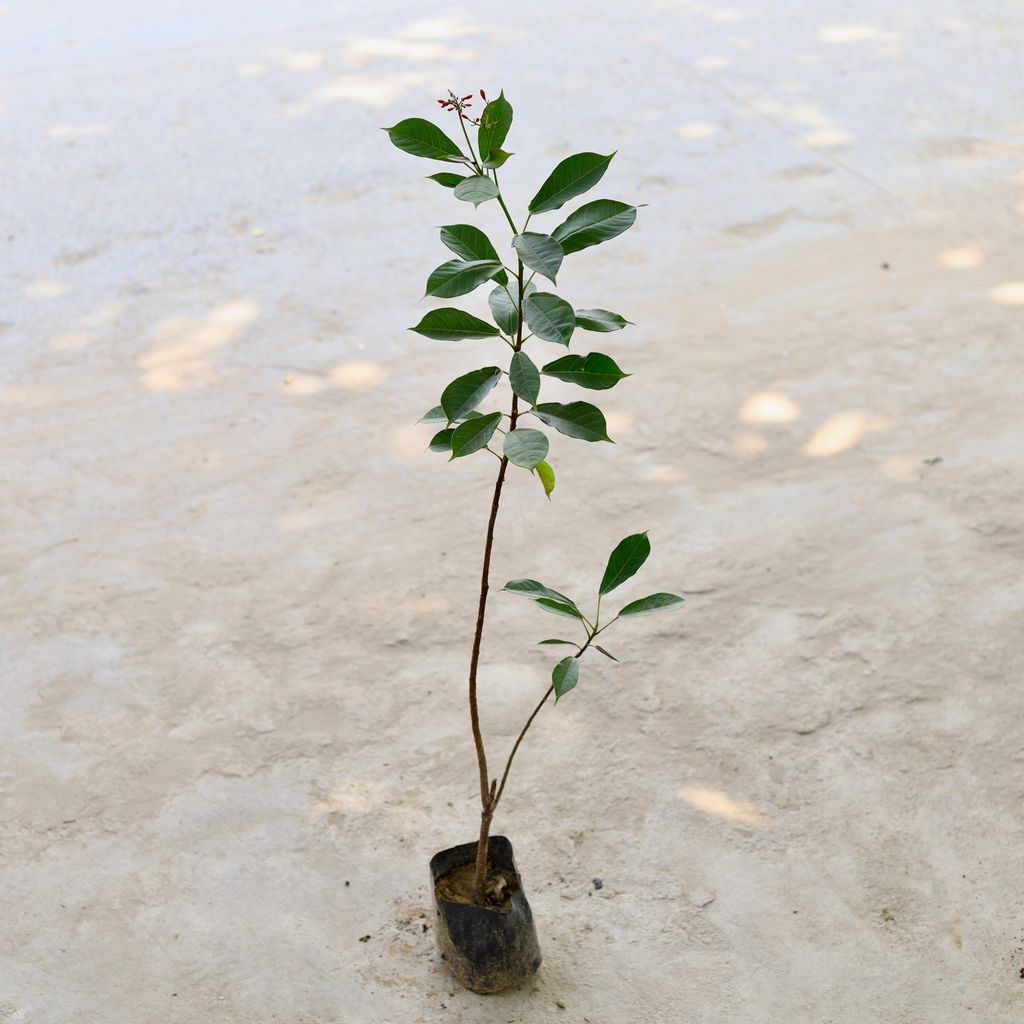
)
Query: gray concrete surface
[{"x": 236, "y": 595}]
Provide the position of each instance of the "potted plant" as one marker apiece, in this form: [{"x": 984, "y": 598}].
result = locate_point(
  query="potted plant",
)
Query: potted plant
[{"x": 484, "y": 926}]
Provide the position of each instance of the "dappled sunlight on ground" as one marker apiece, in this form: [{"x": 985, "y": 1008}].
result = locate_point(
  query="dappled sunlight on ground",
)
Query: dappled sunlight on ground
[
  {"x": 697, "y": 130},
  {"x": 357, "y": 375},
  {"x": 80, "y": 131},
  {"x": 749, "y": 444},
  {"x": 362, "y": 797},
  {"x": 411, "y": 440},
  {"x": 965, "y": 258},
  {"x": 46, "y": 288},
  {"x": 619, "y": 422},
  {"x": 717, "y": 803},
  {"x": 1010, "y": 293},
  {"x": 769, "y": 407},
  {"x": 667, "y": 474},
  {"x": 181, "y": 357},
  {"x": 712, "y": 62},
  {"x": 838, "y": 434}
]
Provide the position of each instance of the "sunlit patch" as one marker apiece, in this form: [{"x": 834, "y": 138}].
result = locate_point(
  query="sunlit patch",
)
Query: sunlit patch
[
  {"x": 445, "y": 26},
  {"x": 361, "y": 374},
  {"x": 741, "y": 42},
  {"x": 46, "y": 288},
  {"x": 901, "y": 467},
  {"x": 837, "y": 434},
  {"x": 712, "y": 62},
  {"x": 840, "y": 34},
  {"x": 180, "y": 358},
  {"x": 414, "y": 50},
  {"x": 697, "y": 130},
  {"x": 303, "y": 384},
  {"x": 749, "y": 444},
  {"x": 809, "y": 58},
  {"x": 251, "y": 70},
  {"x": 305, "y": 60},
  {"x": 1019, "y": 207},
  {"x": 70, "y": 341},
  {"x": 954, "y": 26},
  {"x": 769, "y": 407},
  {"x": 964, "y": 258},
  {"x": 667, "y": 474},
  {"x": 350, "y": 798},
  {"x": 1019, "y": 178},
  {"x": 79, "y": 131},
  {"x": 725, "y": 14},
  {"x": 810, "y": 115},
  {"x": 619, "y": 422},
  {"x": 714, "y": 801},
  {"x": 27, "y": 397},
  {"x": 1011, "y": 293},
  {"x": 827, "y": 138},
  {"x": 413, "y": 439},
  {"x": 376, "y": 91},
  {"x": 102, "y": 315}
]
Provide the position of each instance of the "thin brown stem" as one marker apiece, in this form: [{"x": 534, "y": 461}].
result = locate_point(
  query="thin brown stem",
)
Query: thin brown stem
[{"x": 529, "y": 722}]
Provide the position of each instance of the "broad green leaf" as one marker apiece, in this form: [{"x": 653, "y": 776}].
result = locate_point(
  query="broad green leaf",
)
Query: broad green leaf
[
  {"x": 459, "y": 277},
  {"x": 651, "y": 604},
  {"x": 539, "y": 252},
  {"x": 549, "y": 317},
  {"x": 447, "y": 178},
  {"x": 600, "y": 320},
  {"x": 496, "y": 159},
  {"x": 558, "y": 608},
  {"x": 594, "y": 223},
  {"x": 474, "y": 434},
  {"x": 525, "y": 447},
  {"x": 569, "y": 643},
  {"x": 623, "y": 562},
  {"x": 572, "y": 177},
  {"x": 450, "y": 324},
  {"x": 471, "y": 244},
  {"x": 607, "y": 654},
  {"x": 495, "y": 122},
  {"x": 476, "y": 189},
  {"x": 565, "y": 676},
  {"x": 547, "y": 477},
  {"x": 594, "y": 371},
  {"x": 503, "y": 309},
  {"x": 442, "y": 440},
  {"x": 533, "y": 589},
  {"x": 524, "y": 377},
  {"x": 577, "y": 419},
  {"x": 465, "y": 393},
  {"x": 434, "y": 415},
  {"x": 422, "y": 138}
]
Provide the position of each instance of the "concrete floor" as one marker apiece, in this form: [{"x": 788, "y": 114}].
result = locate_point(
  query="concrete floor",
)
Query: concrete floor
[{"x": 236, "y": 595}]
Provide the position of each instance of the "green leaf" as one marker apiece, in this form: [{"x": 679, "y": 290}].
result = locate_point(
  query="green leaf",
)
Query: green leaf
[
  {"x": 570, "y": 643},
  {"x": 476, "y": 189},
  {"x": 525, "y": 447},
  {"x": 539, "y": 252},
  {"x": 598, "y": 647},
  {"x": 600, "y": 320},
  {"x": 422, "y": 138},
  {"x": 465, "y": 393},
  {"x": 547, "y": 477},
  {"x": 623, "y": 562},
  {"x": 474, "y": 434},
  {"x": 503, "y": 309},
  {"x": 577, "y": 419},
  {"x": 572, "y": 177},
  {"x": 471, "y": 244},
  {"x": 651, "y": 604},
  {"x": 434, "y": 415},
  {"x": 558, "y": 608},
  {"x": 565, "y": 676},
  {"x": 594, "y": 371},
  {"x": 496, "y": 159},
  {"x": 535, "y": 590},
  {"x": 442, "y": 440},
  {"x": 495, "y": 122},
  {"x": 551, "y": 318},
  {"x": 594, "y": 223},
  {"x": 524, "y": 377},
  {"x": 450, "y": 324},
  {"x": 459, "y": 277},
  {"x": 447, "y": 178}
]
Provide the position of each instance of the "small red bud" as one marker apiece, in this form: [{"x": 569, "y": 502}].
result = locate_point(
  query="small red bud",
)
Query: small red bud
[{"x": 483, "y": 95}]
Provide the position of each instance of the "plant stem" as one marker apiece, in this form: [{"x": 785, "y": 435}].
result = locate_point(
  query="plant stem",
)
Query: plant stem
[
  {"x": 529, "y": 722},
  {"x": 487, "y": 792}
]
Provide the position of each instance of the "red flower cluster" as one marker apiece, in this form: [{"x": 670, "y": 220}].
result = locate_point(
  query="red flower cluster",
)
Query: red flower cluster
[{"x": 460, "y": 104}]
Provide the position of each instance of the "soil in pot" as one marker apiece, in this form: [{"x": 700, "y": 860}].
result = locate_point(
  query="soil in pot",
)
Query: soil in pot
[{"x": 489, "y": 948}]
